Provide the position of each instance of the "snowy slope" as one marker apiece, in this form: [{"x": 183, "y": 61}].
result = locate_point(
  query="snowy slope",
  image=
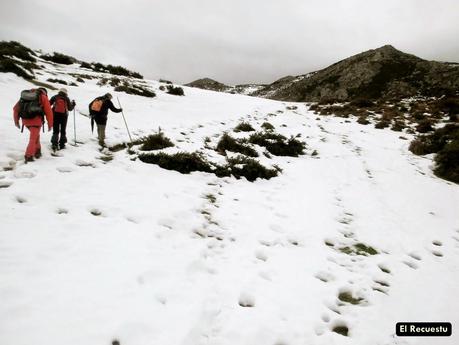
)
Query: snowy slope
[{"x": 92, "y": 251}]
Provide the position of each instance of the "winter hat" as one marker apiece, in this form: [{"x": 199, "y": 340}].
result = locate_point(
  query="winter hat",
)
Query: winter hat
[
  {"x": 108, "y": 95},
  {"x": 63, "y": 90}
]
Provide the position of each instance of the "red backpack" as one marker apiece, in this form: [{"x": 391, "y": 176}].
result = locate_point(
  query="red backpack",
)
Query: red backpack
[{"x": 60, "y": 105}]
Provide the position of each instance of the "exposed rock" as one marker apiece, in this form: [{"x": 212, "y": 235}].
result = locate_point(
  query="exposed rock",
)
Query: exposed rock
[{"x": 380, "y": 73}]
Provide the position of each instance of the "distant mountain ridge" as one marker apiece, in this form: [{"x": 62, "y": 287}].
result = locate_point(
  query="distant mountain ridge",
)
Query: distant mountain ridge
[
  {"x": 378, "y": 73},
  {"x": 213, "y": 85}
]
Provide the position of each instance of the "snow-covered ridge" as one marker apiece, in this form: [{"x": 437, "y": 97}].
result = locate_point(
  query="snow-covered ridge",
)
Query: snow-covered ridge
[{"x": 95, "y": 247}]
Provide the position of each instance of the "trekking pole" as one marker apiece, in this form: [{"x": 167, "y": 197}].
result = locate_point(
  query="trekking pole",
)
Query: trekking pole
[
  {"x": 74, "y": 127},
  {"x": 122, "y": 113}
]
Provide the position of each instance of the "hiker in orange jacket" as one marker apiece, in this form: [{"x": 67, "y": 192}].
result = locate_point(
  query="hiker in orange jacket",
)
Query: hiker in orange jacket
[{"x": 34, "y": 124}]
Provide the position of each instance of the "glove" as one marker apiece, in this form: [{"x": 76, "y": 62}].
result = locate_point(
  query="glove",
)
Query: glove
[
  {"x": 73, "y": 103},
  {"x": 17, "y": 125}
]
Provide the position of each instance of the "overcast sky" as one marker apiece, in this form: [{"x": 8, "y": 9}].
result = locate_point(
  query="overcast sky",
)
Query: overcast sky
[{"x": 232, "y": 41}]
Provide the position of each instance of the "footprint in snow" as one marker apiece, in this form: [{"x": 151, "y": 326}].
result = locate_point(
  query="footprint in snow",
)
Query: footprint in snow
[
  {"x": 21, "y": 199},
  {"x": 411, "y": 264},
  {"x": 415, "y": 256},
  {"x": 246, "y": 300},
  {"x": 437, "y": 243},
  {"x": 96, "y": 212},
  {"x": 5, "y": 184},
  {"x": 324, "y": 276},
  {"x": 64, "y": 169},
  {"x": 261, "y": 255},
  {"x": 24, "y": 174},
  {"x": 437, "y": 253},
  {"x": 62, "y": 211},
  {"x": 82, "y": 163},
  {"x": 384, "y": 268}
]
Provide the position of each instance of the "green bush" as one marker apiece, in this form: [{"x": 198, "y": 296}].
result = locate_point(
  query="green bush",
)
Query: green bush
[
  {"x": 59, "y": 58},
  {"x": 424, "y": 126},
  {"x": 249, "y": 168},
  {"x": 398, "y": 126},
  {"x": 155, "y": 142},
  {"x": 186, "y": 163},
  {"x": 86, "y": 65},
  {"x": 16, "y": 49},
  {"x": 12, "y": 66},
  {"x": 447, "y": 162},
  {"x": 135, "y": 90},
  {"x": 116, "y": 70},
  {"x": 228, "y": 143},
  {"x": 382, "y": 124},
  {"x": 362, "y": 103},
  {"x": 363, "y": 120},
  {"x": 244, "y": 127},
  {"x": 445, "y": 142},
  {"x": 182, "y": 162},
  {"x": 267, "y": 126},
  {"x": 277, "y": 144},
  {"x": 57, "y": 81},
  {"x": 175, "y": 90},
  {"x": 436, "y": 141}
]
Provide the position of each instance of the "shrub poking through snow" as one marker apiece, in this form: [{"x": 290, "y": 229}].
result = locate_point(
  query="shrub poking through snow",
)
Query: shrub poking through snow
[
  {"x": 186, "y": 163},
  {"x": 341, "y": 329},
  {"x": 363, "y": 120},
  {"x": 244, "y": 127},
  {"x": 277, "y": 144},
  {"x": 59, "y": 58},
  {"x": 228, "y": 143},
  {"x": 267, "y": 126},
  {"x": 346, "y": 296},
  {"x": 154, "y": 142},
  {"x": 135, "y": 90},
  {"x": 57, "y": 81},
  {"x": 436, "y": 141},
  {"x": 249, "y": 168},
  {"x": 175, "y": 90},
  {"x": 182, "y": 162},
  {"x": 424, "y": 126},
  {"x": 398, "y": 126},
  {"x": 359, "y": 249},
  {"x": 382, "y": 124},
  {"x": 11, "y": 50}
]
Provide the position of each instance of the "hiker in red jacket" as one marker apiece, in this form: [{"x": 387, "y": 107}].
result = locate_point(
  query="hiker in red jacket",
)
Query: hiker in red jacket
[
  {"x": 32, "y": 113},
  {"x": 61, "y": 106}
]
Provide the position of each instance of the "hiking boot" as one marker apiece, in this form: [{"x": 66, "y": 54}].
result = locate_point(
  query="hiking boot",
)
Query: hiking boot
[
  {"x": 61, "y": 146},
  {"x": 54, "y": 147},
  {"x": 37, "y": 154},
  {"x": 28, "y": 159}
]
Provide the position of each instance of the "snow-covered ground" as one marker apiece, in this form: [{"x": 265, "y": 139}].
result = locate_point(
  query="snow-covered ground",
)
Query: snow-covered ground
[{"x": 94, "y": 250}]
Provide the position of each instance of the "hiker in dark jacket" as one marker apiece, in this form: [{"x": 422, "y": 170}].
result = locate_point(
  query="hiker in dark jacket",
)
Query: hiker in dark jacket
[
  {"x": 98, "y": 109},
  {"x": 61, "y": 106}
]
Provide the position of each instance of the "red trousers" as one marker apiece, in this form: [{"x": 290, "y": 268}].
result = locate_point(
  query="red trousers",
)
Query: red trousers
[{"x": 34, "y": 141}]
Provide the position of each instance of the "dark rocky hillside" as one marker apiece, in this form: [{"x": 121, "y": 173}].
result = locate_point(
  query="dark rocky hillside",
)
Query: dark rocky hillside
[
  {"x": 209, "y": 84},
  {"x": 380, "y": 73}
]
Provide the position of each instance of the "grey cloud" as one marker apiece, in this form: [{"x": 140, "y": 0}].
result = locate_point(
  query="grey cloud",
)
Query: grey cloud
[{"x": 232, "y": 41}]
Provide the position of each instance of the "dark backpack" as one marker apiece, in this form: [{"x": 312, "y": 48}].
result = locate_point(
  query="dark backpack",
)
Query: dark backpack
[
  {"x": 29, "y": 104},
  {"x": 60, "y": 105}
]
